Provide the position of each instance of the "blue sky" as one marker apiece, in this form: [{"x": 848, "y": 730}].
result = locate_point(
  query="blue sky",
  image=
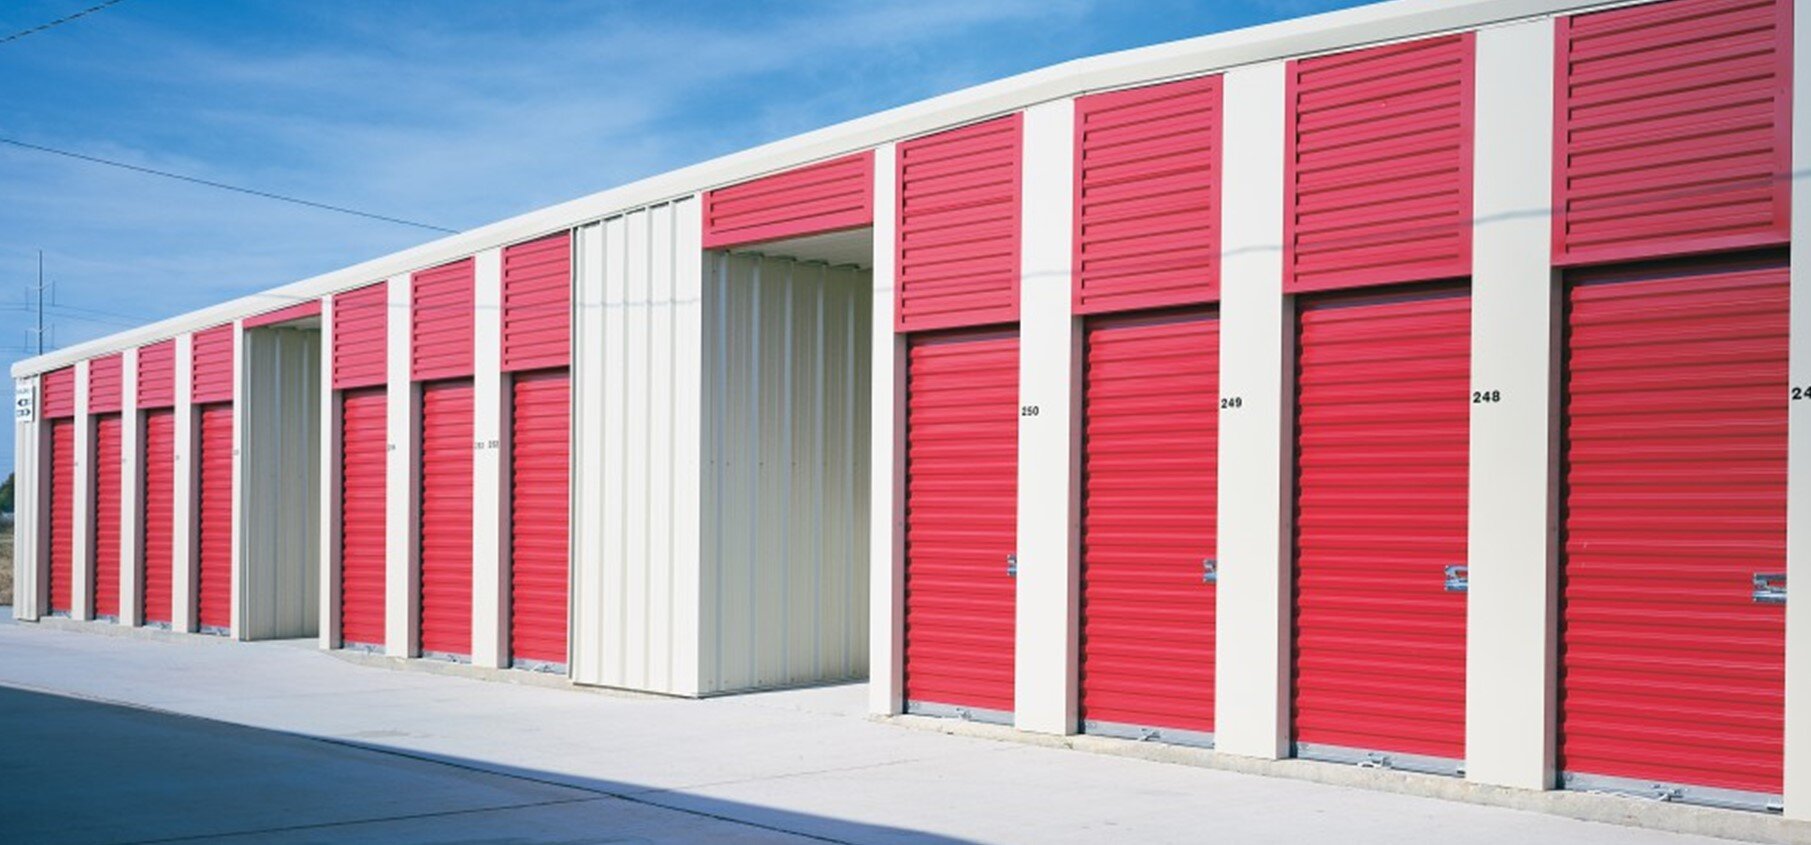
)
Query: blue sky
[{"x": 450, "y": 113}]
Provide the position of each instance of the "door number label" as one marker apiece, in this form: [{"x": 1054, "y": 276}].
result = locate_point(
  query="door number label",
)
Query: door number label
[{"x": 1486, "y": 397}]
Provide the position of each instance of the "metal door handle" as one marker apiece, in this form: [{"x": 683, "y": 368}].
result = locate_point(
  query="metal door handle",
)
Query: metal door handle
[
  {"x": 1012, "y": 565},
  {"x": 1458, "y": 578},
  {"x": 1210, "y": 571},
  {"x": 1770, "y": 587}
]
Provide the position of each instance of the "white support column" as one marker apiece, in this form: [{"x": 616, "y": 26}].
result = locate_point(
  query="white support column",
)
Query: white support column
[
  {"x": 330, "y": 487},
  {"x": 237, "y": 596},
  {"x": 1798, "y": 460},
  {"x": 587, "y": 604},
  {"x": 1251, "y": 652},
  {"x": 81, "y": 523},
  {"x": 132, "y": 493},
  {"x": 30, "y": 494},
  {"x": 184, "y": 546},
  {"x": 490, "y": 470},
  {"x": 1044, "y": 680},
  {"x": 886, "y": 495},
  {"x": 402, "y": 511},
  {"x": 1511, "y": 639}
]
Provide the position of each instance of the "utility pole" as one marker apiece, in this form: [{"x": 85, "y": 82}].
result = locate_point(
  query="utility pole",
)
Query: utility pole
[{"x": 39, "y": 290}]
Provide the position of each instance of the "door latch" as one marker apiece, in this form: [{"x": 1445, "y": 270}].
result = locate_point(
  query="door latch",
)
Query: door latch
[
  {"x": 1458, "y": 578},
  {"x": 1770, "y": 587},
  {"x": 1210, "y": 571},
  {"x": 1012, "y": 565}
]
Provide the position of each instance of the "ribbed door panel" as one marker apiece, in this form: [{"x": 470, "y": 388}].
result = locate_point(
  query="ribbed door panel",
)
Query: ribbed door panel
[
  {"x": 363, "y": 441},
  {"x": 211, "y": 374},
  {"x": 157, "y": 375},
  {"x": 959, "y": 226},
  {"x": 540, "y": 462},
  {"x": 824, "y": 197},
  {"x": 1382, "y": 455},
  {"x": 106, "y": 376},
  {"x": 59, "y": 393},
  {"x": 215, "y": 594},
  {"x": 1148, "y": 520},
  {"x": 159, "y": 514},
  {"x": 62, "y": 514},
  {"x": 1147, "y": 199},
  {"x": 361, "y": 330},
  {"x": 1676, "y": 498},
  {"x": 1673, "y": 125},
  {"x": 961, "y": 518},
  {"x": 1379, "y": 170},
  {"x": 442, "y": 318},
  {"x": 537, "y": 303},
  {"x": 106, "y": 475},
  {"x": 446, "y": 517}
]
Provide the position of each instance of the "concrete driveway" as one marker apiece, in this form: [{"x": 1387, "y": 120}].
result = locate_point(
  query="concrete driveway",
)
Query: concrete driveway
[{"x": 194, "y": 739}]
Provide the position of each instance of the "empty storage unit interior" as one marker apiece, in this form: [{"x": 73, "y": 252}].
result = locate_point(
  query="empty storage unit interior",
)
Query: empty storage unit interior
[{"x": 1408, "y": 386}]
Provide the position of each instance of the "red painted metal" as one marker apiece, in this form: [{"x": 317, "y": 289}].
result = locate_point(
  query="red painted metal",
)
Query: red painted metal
[
  {"x": 540, "y": 466},
  {"x": 105, "y": 376},
  {"x": 962, "y": 435},
  {"x": 537, "y": 303},
  {"x": 363, "y": 440},
  {"x": 157, "y": 375},
  {"x": 1672, "y": 130},
  {"x": 361, "y": 331},
  {"x": 1675, "y": 497},
  {"x": 829, "y": 196},
  {"x": 211, "y": 360},
  {"x": 442, "y": 318},
  {"x": 59, "y": 393},
  {"x": 62, "y": 514},
  {"x": 1148, "y": 520},
  {"x": 1379, "y": 171},
  {"x": 958, "y": 239},
  {"x": 298, "y": 311},
  {"x": 1147, "y": 199},
  {"x": 159, "y": 514},
  {"x": 1382, "y": 457},
  {"x": 107, "y": 455},
  {"x": 215, "y": 526},
  {"x": 446, "y": 517}
]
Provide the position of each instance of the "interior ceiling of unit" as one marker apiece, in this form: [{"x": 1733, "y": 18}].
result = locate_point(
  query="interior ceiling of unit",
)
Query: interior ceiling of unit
[
  {"x": 855, "y": 246},
  {"x": 312, "y": 321}
]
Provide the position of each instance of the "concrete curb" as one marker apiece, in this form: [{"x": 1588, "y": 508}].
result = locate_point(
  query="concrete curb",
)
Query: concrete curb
[{"x": 1622, "y": 810}]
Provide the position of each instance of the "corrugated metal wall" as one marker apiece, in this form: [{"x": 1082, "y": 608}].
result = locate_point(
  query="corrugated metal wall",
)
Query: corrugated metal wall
[
  {"x": 104, "y": 383},
  {"x": 212, "y": 365},
  {"x": 59, "y": 393},
  {"x": 1379, "y": 175},
  {"x": 636, "y": 450},
  {"x": 1672, "y": 130},
  {"x": 281, "y": 459},
  {"x": 442, "y": 301},
  {"x": 824, "y": 197},
  {"x": 785, "y": 551},
  {"x": 157, "y": 375},
  {"x": 360, "y": 337},
  {"x": 1147, "y": 197},
  {"x": 537, "y": 303}
]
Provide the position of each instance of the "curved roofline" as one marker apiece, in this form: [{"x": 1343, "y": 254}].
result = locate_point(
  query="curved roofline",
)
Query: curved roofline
[{"x": 1345, "y": 29}]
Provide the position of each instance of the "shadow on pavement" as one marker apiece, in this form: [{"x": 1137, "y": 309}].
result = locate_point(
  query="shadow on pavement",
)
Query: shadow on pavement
[{"x": 83, "y": 771}]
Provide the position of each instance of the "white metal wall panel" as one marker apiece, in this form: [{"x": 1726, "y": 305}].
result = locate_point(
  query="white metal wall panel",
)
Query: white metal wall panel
[
  {"x": 785, "y": 556},
  {"x": 636, "y": 451},
  {"x": 29, "y": 493},
  {"x": 280, "y": 529}
]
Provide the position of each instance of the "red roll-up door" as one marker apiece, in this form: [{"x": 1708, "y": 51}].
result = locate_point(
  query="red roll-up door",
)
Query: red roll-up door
[
  {"x": 1148, "y": 520},
  {"x": 159, "y": 514},
  {"x": 363, "y": 438},
  {"x": 446, "y": 517},
  {"x": 1382, "y": 453},
  {"x": 1671, "y": 670},
  {"x": 539, "y": 467},
  {"x": 961, "y": 520},
  {"x": 215, "y": 558},
  {"x": 62, "y": 513},
  {"x": 107, "y": 444}
]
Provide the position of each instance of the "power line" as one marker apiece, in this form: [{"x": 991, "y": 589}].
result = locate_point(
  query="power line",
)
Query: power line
[
  {"x": 223, "y": 186},
  {"x": 58, "y": 22}
]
